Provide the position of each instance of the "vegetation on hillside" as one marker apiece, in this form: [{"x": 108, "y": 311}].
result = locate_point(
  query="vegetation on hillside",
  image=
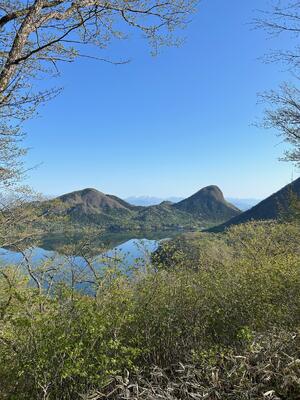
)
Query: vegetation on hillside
[
  {"x": 210, "y": 316},
  {"x": 273, "y": 207},
  {"x": 92, "y": 208},
  {"x": 232, "y": 308}
]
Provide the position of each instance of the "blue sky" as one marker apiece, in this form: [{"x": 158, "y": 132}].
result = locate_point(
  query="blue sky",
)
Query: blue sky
[{"x": 167, "y": 125}]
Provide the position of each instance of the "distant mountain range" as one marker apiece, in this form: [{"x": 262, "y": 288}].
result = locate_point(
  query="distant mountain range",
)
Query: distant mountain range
[
  {"x": 89, "y": 206},
  {"x": 243, "y": 204},
  {"x": 145, "y": 201},
  {"x": 270, "y": 208}
]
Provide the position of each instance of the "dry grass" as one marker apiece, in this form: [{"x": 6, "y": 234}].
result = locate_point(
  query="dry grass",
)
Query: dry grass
[{"x": 269, "y": 369}]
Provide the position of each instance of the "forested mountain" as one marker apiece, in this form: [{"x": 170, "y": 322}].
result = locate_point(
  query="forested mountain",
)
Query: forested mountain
[
  {"x": 272, "y": 207},
  {"x": 91, "y": 201},
  {"x": 90, "y": 206},
  {"x": 208, "y": 204}
]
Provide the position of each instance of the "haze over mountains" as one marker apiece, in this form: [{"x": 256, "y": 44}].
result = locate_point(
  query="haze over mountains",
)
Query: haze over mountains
[
  {"x": 240, "y": 203},
  {"x": 146, "y": 201},
  {"x": 243, "y": 204}
]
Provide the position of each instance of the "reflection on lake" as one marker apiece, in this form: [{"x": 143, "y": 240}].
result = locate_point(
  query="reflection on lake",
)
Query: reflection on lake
[
  {"x": 64, "y": 242},
  {"x": 128, "y": 252},
  {"x": 56, "y": 262}
]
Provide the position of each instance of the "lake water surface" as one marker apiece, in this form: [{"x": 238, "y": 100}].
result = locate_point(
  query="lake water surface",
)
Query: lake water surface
[
  {"x": 53, "y": 266},
  {"x": 130, "y": 251}
]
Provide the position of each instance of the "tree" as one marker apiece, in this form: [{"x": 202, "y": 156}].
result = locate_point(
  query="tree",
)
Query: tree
[
  {"x": 283, "y": 113},
  {"x": 35, "y": 35}
]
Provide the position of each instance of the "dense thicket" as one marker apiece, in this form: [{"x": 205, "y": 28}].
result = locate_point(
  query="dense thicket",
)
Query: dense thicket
[{"x": 232, "y": 311}]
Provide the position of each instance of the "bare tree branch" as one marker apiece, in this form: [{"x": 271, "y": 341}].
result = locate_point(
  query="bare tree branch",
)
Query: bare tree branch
[{"x": 283, "y": 112}]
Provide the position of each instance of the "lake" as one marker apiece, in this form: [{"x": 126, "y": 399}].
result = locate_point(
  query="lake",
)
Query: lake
[
  {"x": 56, "y": 265},
  {"x": 130, "y": 252}
]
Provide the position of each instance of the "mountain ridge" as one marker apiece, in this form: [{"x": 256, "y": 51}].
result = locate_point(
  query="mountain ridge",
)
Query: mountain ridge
[
  {"x": 242, "y": 204},
  {"x": 90, "y": 206},
  {"x": 92, "y": 199},
  {"x": 270, "y": 208},
  {"x": 206, "y": 202}
]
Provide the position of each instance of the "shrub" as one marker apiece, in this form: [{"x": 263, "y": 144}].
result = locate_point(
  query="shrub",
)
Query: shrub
[
  {"x": 269, "y": 369},
  {"x": 224, "y": 302}
]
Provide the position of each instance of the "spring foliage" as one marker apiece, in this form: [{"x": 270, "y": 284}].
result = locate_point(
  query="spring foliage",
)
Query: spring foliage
[{"x": 226, "y": 306}]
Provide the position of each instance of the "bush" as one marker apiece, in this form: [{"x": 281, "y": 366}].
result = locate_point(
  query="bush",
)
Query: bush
[
  {"x": 268, "y": 369},
  {"x": 204, "y": 312}
]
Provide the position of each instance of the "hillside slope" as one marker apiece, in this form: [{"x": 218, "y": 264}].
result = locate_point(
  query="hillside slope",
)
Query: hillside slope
[
  {"x": 270, "y": 208},
  {"x": 91, "y": 201},
  {"x": 92, "y": 207},
  {"x": 208, "y": 204}
]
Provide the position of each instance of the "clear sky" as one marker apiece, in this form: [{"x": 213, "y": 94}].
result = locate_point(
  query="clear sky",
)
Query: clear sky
[{"x": 167, "y": 125}]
